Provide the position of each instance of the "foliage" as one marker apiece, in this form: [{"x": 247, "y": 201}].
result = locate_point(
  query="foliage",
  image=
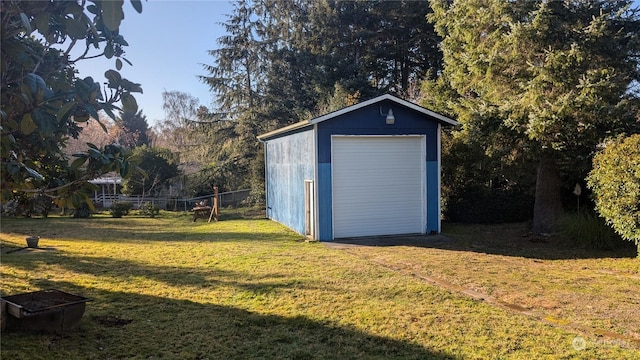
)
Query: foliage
[
  {"x": 155, "y": 167},
  {"x": 589, "y": 230},
  {"x": 483, "y": 205},
  {"x": 133, "y": 129},
  {"x": 28, "y": 206},
  {"x": 282, "y": 61},
  {"x": 481, "y": 184},
  {"x": 42, "y": 100},
  {"x": 120, "y": 208},
  {"x": 615, "y": 181},
  {"x": 92, "y": 131},
  {"x": 82, "y": 211},
  {"x": 175, "y": 132},
  {"x": 149, "y": 209},
  {"x": 548, "y": 79}
]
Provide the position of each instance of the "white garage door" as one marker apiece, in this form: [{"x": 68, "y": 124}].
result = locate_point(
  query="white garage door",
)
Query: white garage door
[{"x": 378, "y": 185}]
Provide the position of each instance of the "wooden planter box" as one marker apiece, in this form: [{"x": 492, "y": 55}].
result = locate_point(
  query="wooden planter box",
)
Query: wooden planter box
[{"x": 46, "y": 310}]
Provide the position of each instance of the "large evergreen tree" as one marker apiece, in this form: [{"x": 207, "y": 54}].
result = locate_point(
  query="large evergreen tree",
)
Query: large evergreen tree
[
  {"x": 282, "y": 61},
  {"x": 134, "y": 129},
  {"x": 556, "y": 75}
]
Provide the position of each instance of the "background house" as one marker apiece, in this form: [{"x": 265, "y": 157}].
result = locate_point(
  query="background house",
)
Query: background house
[{"x": 369, "y": 169}]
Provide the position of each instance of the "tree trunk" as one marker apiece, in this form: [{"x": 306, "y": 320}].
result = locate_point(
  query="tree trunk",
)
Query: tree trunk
[{"x": 547, "y": 206}]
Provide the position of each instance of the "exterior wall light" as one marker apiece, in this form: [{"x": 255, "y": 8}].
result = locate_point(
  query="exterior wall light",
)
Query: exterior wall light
[{"x": 390, "y": 119}]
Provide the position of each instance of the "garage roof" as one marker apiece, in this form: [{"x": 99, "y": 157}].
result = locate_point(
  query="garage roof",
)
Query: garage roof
[{"x": 441, "y": 118}]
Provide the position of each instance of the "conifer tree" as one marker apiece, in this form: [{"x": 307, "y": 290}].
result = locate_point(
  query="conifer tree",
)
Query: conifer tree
[{"x": 557, "y": 75}]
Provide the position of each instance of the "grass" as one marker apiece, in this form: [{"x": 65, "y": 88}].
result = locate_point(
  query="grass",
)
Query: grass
[{"x": 250, "y": 288}]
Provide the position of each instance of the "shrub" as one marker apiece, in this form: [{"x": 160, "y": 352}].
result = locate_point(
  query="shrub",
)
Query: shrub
[
  {"x": 82, "y": 211},
  {"x": 589, "y": 231},
  {"x": 149, "y": 209},
  {"x": 480, "y": 205},
  {"x": 28, "y": 205},
  {"x": 615, "y": 181},
  {"x": 120, "y": 209}
]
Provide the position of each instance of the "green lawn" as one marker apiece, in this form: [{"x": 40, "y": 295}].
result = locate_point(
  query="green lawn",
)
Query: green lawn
[{"x": 249, "y": 288}]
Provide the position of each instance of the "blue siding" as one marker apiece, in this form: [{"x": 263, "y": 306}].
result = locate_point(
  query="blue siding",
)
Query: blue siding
[
  {"x": 368, "y": 121},
  {"x": 289, "y": 161},
  {"x": 325, "y": 215},
  {"x": 433, "y": 213}
]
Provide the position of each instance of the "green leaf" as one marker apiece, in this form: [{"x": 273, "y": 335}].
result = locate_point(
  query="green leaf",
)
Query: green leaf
[
  {"x": 118, "y": 64},
  {"x": 27, "y": 125},
  {"x": 34, "y": 82},
  {"x": 113, "y": 77},
  {"x": 34, "y": 173},
  {"x": 92, "y": 27},
  {"x": 25, "y": 23},
  {"x": 137, "y": 4},
  {"x": 120, "y": 40},
  {"x": 93, "y": 9},
  {"x": 13, "y": 167},
  {"x": 124, "y": 170},
  {"x": 76, "y": 200},
  {"x": 109, "y": 51},
  {"x": 92, "y": 111},
  {"x": 94, "y": 153},
  {"x": 77, "y": 163},
  {"x": 6, "y": 195},
  {"x": 81, "y": 118},
  {"x": 76, "y": 29},
  {"x": 129, "y": 103},
  {"x": 112, "y": 14},
  {"x": 42, "y": 23},
  {"x": 108, "y": 108},
  {"x": 131, "y": 86},
  {"x": 65, "y": 111},
  {"x": 89, "y": 203}
]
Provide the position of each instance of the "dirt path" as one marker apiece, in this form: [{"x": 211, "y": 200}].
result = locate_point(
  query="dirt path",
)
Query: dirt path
[{"x": 597, "y": 297}]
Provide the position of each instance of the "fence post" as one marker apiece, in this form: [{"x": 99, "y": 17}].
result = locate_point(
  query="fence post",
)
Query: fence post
[{"x": 214, "y": 209}]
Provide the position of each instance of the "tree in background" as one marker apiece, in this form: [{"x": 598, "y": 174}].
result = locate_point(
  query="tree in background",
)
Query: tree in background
[
  {"x": 546, "y": 80},
  {"x": 42, "y": 100},
  {"x": 92, "y": 132},
  {"x": 281, "y": 61},
  {"x": 374, "y": 47},
  {"x": 156, "y": 166},
  {"x": 174, "y": 131},
  {"x": 133, "y": 129},
  {"x": 615, "y": 181}
]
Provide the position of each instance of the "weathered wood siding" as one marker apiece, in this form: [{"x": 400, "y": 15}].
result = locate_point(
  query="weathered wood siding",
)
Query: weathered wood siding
[{"x": 289, "y": 162}]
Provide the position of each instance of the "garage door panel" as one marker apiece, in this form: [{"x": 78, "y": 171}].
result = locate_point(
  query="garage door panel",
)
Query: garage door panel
[{"x": 378, "y": 185}]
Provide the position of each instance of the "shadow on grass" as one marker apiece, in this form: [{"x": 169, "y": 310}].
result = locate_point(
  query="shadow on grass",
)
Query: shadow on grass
[
  {"x": 136, "y": 229},
  {"x": 147, "y": 326},
  {"x": 200, "y": 277},
  {"x": 502, "y": 239}
]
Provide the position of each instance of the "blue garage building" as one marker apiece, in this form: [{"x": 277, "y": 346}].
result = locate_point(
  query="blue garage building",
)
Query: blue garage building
[{"x": 369, "y": 169}]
